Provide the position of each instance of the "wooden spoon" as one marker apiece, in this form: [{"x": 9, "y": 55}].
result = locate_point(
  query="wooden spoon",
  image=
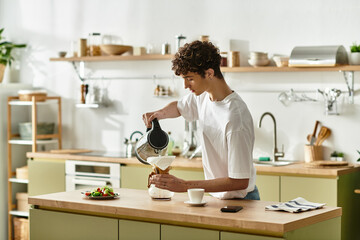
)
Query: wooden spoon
[{"x": 323, "y": 134}]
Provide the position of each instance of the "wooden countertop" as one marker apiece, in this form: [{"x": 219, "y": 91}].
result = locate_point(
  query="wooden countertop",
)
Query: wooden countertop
[
  {"x": 179, "y": 162},
  {"x": 137, "y": 205},
  {"x": 296, "y": 169}
]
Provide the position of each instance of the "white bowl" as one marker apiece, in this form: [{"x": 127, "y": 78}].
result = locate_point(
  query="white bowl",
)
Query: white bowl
[
  {"x": 281, "y": 61},
  {"x": 257, "y": 55},
  {"x": 258, "y": 62}
]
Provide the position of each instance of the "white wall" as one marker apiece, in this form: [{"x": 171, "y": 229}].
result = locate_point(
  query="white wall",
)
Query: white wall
[
  {"x": 276, "y": 26},
  {"x": 272, "y": 26}
]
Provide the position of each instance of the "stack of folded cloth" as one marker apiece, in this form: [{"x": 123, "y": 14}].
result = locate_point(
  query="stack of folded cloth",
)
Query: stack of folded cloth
[{"x": 296, "y": 205}]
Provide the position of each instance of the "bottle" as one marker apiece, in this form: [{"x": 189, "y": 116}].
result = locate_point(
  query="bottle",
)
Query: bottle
[
  {"x": 180, "y": 39},
  {"x": 82, "y": 52},
  {"x": 170, "y": 145}
]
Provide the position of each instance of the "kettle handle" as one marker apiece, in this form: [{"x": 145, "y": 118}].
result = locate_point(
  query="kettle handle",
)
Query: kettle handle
[
  {"x": 134, "y": 134},
  {"x": 155, "y": 124}
]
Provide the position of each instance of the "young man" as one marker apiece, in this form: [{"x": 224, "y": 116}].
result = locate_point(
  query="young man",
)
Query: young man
[{"x": 225, "y": 124}]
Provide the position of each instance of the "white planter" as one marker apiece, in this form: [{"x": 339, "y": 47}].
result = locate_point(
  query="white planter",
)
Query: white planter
[{"x": 355, "y": 58}]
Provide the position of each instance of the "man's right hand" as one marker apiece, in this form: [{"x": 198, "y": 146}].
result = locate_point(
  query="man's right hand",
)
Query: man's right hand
[
  {"x": 169, "y": 111},
  {"x": 148, "y": 117}
]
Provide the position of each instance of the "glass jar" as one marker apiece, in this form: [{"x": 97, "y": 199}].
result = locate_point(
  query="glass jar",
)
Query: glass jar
[
  {"x": 223, "y": 62},
  {"x": 180, "y": 40},
  {"x": 94, "y": 42}
]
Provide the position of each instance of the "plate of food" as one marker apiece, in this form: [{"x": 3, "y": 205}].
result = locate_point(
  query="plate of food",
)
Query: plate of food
[{"x": 101, "y": 193}]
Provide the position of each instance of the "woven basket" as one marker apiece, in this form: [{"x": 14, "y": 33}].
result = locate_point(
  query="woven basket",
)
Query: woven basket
[
  {"x": 26, "y": 95},
  {"x": 40, "y": 97},
  {"x": 21, "y": 228}
]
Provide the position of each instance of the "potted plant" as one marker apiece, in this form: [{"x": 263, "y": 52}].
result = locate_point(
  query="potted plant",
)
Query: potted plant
[
  {"x": 5, "y": 53},
  {"x": 355, "y": 54}
]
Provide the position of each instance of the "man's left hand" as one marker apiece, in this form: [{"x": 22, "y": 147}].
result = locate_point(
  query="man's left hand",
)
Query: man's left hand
[{"x": 169, "y": 182}]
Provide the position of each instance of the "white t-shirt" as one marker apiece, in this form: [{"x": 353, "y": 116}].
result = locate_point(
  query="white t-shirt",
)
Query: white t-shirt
[{"x": 226, "y": 133}]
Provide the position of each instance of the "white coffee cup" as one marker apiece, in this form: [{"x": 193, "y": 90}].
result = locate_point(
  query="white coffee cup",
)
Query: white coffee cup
[{"x": 196, "y": 194}]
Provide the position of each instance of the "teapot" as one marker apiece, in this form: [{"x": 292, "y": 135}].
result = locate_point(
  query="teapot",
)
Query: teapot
[
  {"x": 152, "y": 144},
  {"x": 130, "y": 144}
]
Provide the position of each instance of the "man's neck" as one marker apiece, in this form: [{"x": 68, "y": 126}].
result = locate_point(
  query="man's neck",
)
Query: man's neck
[{"x": 218, "y": 90}]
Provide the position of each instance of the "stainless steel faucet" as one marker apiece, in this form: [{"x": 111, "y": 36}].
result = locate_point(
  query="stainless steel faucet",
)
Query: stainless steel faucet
[{"x": 276, "y": 153}]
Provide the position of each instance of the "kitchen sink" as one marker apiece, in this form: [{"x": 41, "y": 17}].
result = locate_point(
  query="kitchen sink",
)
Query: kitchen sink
[{"x": 274, "y": 164}]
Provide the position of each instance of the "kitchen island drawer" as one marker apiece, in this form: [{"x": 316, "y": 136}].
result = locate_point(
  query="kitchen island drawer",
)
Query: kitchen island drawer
[
  {"x": 133, "y": 230},
  {"x": 169, "y": 232},
  {"x": 58, "y": 226}
]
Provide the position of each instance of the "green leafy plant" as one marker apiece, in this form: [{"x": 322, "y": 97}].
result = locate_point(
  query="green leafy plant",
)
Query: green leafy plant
[
  {"x": 359, "y": 153},
  {"x": 6, "y": 49},
  {"x": 354, "y": 47}
]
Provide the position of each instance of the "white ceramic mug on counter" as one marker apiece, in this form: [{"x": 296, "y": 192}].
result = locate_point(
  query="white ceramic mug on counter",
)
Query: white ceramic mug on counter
[{"x": 196, "y": 195}]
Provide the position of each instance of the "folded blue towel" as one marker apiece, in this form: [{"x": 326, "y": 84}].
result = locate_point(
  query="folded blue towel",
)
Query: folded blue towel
[{"x": 296, "y": 205}]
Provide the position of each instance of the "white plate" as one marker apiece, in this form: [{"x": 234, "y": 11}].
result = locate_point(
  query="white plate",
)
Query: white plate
[
  {"x": 116, "y": 195},
  {"x": 196, "y": 204}
]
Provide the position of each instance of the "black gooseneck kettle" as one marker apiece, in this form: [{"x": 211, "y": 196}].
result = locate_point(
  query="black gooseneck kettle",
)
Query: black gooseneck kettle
[{"x": 152, "y": 144}]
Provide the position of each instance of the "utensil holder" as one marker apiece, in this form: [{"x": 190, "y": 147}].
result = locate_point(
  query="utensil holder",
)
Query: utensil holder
[{"x": 313, "y": 153}]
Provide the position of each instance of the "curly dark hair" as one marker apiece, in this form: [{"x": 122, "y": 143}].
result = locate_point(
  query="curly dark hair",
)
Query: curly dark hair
[{"x": 197, "y": 57}]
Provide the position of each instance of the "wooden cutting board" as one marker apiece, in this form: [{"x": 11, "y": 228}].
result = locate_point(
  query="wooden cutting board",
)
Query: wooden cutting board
[
  {"x": 327, "y": 164},
  {"x": 69, "y": 151}
]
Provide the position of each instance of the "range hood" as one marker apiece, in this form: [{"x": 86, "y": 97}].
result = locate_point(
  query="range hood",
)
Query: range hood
[{"x": 318, "y": 56}]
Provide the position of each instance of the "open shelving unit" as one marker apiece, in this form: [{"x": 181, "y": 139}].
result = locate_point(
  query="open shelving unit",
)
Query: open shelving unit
[
  {"x": 115, "y": 58},
  {"x": 347, "y": 70},
  {"x": 14, "y": 139}
]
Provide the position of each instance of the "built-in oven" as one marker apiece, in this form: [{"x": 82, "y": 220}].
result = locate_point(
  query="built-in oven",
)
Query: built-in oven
[{"x": 88, "y": 174}]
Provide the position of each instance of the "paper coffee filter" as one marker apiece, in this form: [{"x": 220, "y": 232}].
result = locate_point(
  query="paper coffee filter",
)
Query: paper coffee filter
[{"x": 162, "y": 162}]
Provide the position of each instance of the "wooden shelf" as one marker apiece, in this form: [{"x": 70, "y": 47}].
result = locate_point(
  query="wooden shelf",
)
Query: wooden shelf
[
  {"x": 115, "y": 58},
  {"x": 292, "y": 69},
  {"x": 30, "y": 142},
  {"x": 12, "y": 138},
  {"x": 19, "y": 213},
  {"x": 18, "y": 180},
  {"x": 88, "y": 105},
  {"x": 29, "y": 103}
]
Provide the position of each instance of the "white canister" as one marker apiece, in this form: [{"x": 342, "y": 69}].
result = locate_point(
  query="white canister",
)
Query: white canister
[{"x": 355, "y": 58}]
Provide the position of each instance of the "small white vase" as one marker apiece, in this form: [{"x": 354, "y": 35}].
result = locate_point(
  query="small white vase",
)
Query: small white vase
[{"x": 355, "y": 58}]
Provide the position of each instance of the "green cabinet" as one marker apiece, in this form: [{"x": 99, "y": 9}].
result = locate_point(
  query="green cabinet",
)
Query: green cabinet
[
  {"x": 46, "y": 176},
  {"x": 135, "y": 177},
  {"x": 312, "y": 189},
  {"x": 134, "y": 230},
  {"x": 53, "y": 225},
  {"x": 329, "y": 230},
  {"x": 269, "y": 187},
  {"x": 48, "y": 224},
  {"x": 337, "y": 192},
  {"x": 169, "y": 232}
]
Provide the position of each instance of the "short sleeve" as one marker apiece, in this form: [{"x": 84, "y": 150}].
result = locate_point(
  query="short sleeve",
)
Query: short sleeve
[
  {"x": 187, "y": 107},
  {"x": 240, "y": 157}
]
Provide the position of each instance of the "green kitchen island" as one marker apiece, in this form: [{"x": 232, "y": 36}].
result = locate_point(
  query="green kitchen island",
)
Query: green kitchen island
[{"x": 134, "y": 215}]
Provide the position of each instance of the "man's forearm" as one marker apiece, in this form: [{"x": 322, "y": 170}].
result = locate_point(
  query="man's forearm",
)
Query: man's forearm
[
  {"x": 170, "y": 111},
  {"x": 219, "y": 184}
]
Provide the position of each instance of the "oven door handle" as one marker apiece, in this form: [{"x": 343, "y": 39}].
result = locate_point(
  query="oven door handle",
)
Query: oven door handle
[{"x": 90, "y": 182}]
